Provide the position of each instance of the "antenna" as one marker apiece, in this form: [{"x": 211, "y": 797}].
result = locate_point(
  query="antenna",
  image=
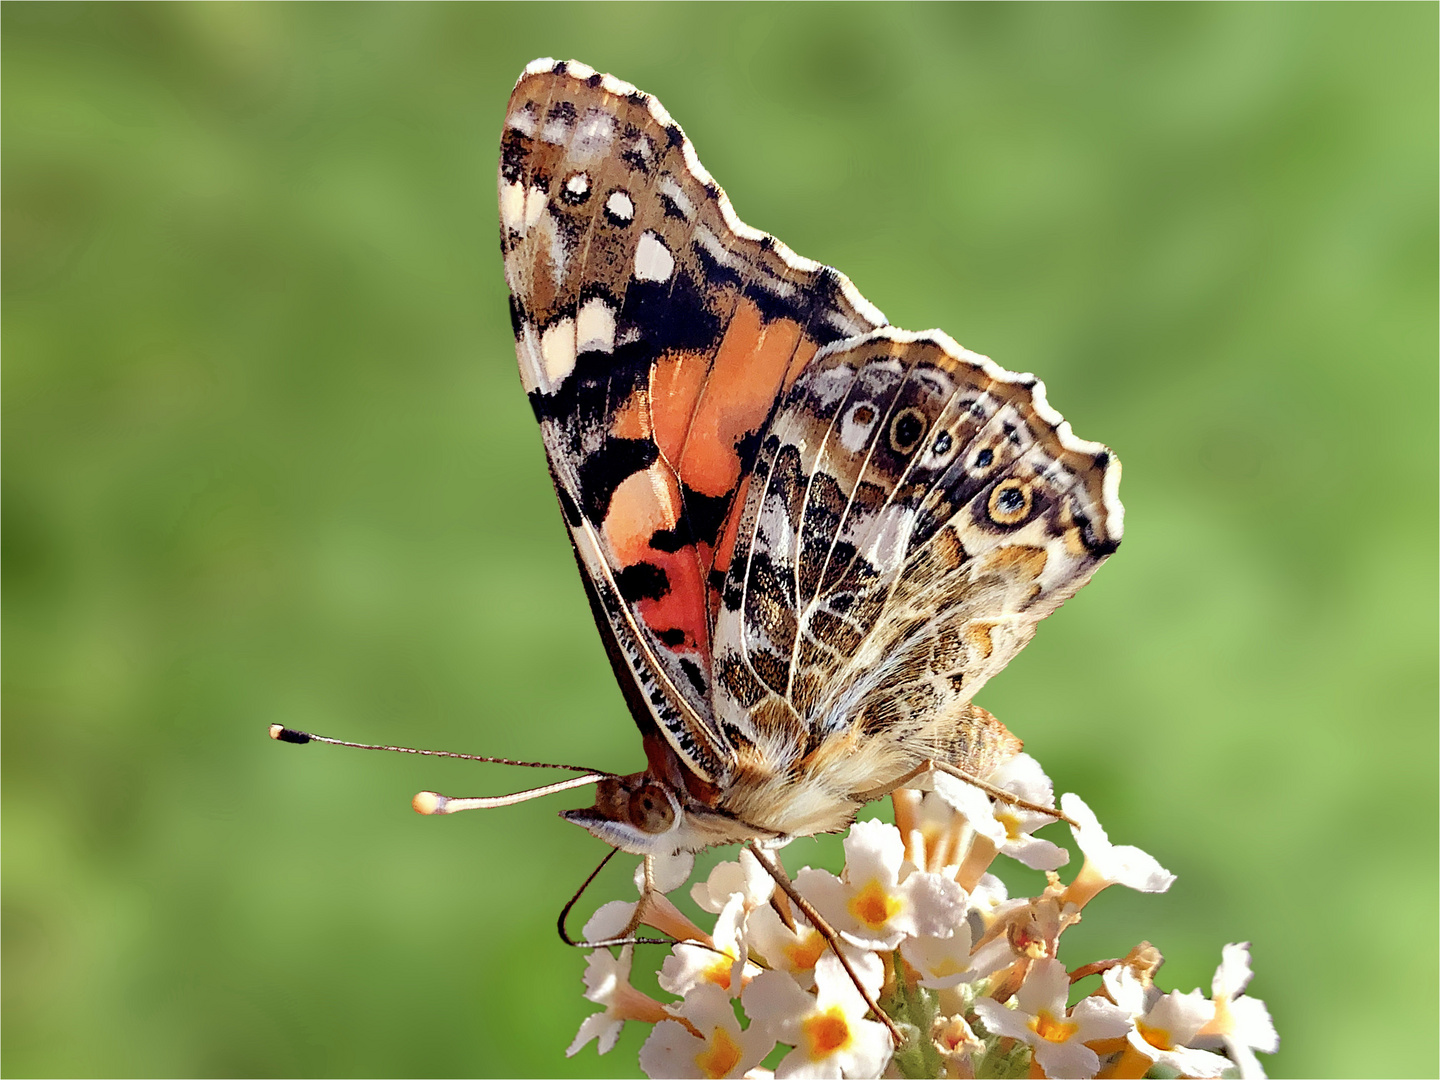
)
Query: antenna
[
  {"x": 281, "y": 733},
  {"x": 430, "y": 802}
]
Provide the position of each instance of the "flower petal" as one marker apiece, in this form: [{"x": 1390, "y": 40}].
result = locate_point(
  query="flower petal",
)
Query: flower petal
[
  {"x": 1036, "y": 853},
  {"x": 999, "y": 1020},
  {"x": 873, "y": 849},
  {"x": 775, "y": 1001},
  {"x": 1069, "y": 1058},
  {"x": 1046, "y": 987},
  {"x": 609, "y": 922},
  {"x": 969, "y": 800},
  {"x": 669, "y": 871},
  {"x": 1233, "y": 974},
  {"x": 600, "y": 1026},
  {"x": 1119, "y": 864},
  {"x": 935, "y": 905},
  {"x": 1099, "y": 1019}
]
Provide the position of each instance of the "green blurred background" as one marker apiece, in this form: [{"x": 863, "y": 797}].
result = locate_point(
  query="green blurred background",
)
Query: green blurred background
[{"x": 267, "y": 459}]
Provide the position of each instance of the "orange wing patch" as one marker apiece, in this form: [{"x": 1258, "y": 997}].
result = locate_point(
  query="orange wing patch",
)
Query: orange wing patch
[
  {"x": 744, "y": 381},
  {"x": 667, "y": 587},
  {"x": 676, "y": 383}
]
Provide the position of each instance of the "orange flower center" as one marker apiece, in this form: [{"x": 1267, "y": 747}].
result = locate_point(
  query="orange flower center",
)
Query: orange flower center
[
  {"x": 1156, "y": 1037},
  {"x": 719, "y": 972},
  {"x": 1052, "y": 1030},
  {"x": 803, "y": 954},
  {"x": 720, "y": 1055},
  {"x": 945, "y": 967},
  {"x": 873, "y": 906},
  {"x": 826, "y": 1032},
  {"x": 1012, "y": 825}
]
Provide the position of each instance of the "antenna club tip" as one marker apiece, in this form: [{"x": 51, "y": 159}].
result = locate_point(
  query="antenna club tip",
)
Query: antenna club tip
[
  {"x": 281, "y": 733},
  {"x": 428, "y": 802}
]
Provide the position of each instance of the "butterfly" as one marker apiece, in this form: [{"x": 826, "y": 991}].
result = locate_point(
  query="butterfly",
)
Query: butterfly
[{"x": 808, "y": 538}]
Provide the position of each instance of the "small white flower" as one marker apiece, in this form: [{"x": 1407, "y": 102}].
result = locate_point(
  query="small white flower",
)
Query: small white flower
[
  {"x": 1108, "y": 864},
  {"x": 668, "y": 871},
  {"x": 1165, "y": 1024},
  {"x": 1241, "y": 1024},
  {"x": 988, "y": 896},
  {"x": 724, "y": 965},
  {"x": 873, "y": 907},
  {"x": 793, "y": 951},
  {"x": 989, "y": 958},
  {"x": 745, "y": 876},
  {"x": 828, "y": 1030},
  {"x": 1022, "y": 776},
  {"x": 1006, "y": 826},
  {"x": 614, "y": 919},
  {"x": 1039, "y": 1019},
  {"x": 607, "y": 982},
  {"x": 721, "y": 1049},
  {"x": 953, "y": 1036},
  {"x": 940, "y": 962},
  {"x": 971, "y": 803}
]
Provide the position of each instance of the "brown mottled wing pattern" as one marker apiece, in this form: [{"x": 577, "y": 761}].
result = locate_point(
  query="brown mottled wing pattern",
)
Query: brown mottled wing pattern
[
  {"x": 915, "y": 512},
  {"x": 655, "y": 333}
]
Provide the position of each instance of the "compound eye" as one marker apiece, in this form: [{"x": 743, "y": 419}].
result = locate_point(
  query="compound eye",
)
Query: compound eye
[{"x": 651, "y": 810}]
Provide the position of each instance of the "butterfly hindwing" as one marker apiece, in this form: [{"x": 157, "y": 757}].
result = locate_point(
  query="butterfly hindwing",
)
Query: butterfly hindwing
[
  {"x": 655, "y": 333},
  {"x": 916, "y": 511}
]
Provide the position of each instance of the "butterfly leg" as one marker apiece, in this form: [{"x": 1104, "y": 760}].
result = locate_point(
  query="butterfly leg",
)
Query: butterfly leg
[
  {"x": 903, "y": 780},
  {"x": 930, "y": 766},
  {"x": 774, "y": 868},
  {"x": 1001, "y": 794}
]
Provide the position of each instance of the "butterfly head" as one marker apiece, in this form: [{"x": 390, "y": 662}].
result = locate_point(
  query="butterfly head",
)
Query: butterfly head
[
  {"x": 666, "y": 809},
  {"x": 636, "y": 813}
]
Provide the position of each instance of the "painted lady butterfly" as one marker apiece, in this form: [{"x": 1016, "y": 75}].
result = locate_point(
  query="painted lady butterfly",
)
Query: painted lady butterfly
[{"x": 808, "y": 538}]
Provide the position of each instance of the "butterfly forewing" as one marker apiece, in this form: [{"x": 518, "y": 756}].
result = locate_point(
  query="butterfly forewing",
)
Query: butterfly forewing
[{"x": 655, "y": 333}]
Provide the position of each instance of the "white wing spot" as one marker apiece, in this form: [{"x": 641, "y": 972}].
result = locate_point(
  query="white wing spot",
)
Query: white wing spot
[
  {"x": 557, "y": 350},
  {"x": 512, "y": 206},
  {"x": 713, "y": 247},
  {"x": 669, "y": 187},
  {"x": 857, "y": 425},
  {"x": 653, "y": 261},
  {"x": 620, "y": 206},
  {"x": 643, "y": 147},
  {"x": 887, "y": 541},
  {"x": 529, "y": 353},
  {"x": 595, "y": 327},
  {"x": 534, "y": 206},
  {"x": 556, "y": 130},
  {"x": 593, "y": 136},
  {"x": 597, "y": 125},
  {"x": 523, "y": 121}
]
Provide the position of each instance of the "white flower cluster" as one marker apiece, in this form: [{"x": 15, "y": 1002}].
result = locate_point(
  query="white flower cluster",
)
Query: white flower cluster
[{"x": 970, "y": 976}]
